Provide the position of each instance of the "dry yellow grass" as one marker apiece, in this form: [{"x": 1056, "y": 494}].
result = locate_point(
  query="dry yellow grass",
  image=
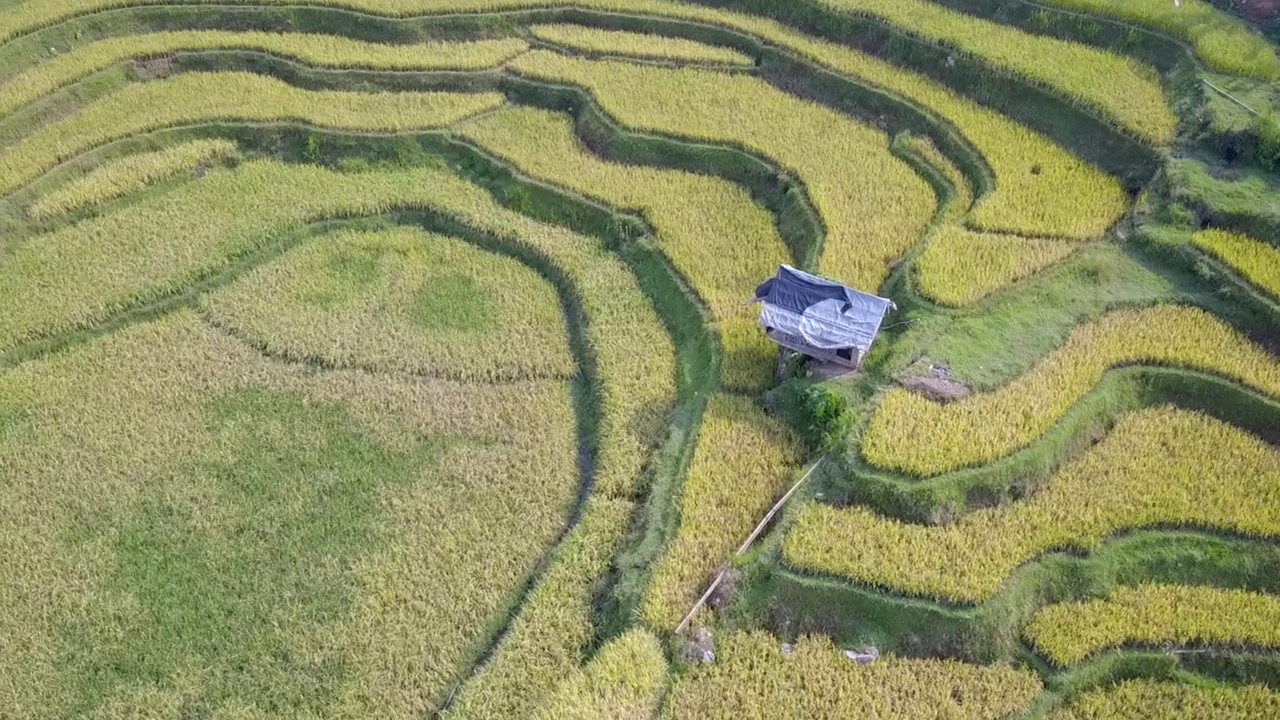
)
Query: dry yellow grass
[
  {"x": 641, "y": 45},
  {"x": 129, "y": 174},
  {"x": 545, "y": 644},
  {"x": 228, "y": 96},
  {"x": 401, "y": 300},
  {"x": 1256, "y": 261},
  {"x": 331, "y": 51},
  {"x": 624, "y": 681},
  {"x": 960, "y": 267},
  {"x": 187, "y": 513},
  {"x": 1154, "y": 700},
  {"x": 1155, "y": 614},
  {"x": 752, "y": 678},
  {"x": 1158, "y": 467},
  {"x": 874, "y": 206},
  {"x": 913, "y": 434},
  {"x": 715, "y": 235},
  {"x": 742, "y": 463}
]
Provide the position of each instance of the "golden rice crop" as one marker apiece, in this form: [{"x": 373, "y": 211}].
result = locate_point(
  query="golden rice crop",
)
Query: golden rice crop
[
  {"x": 1158, "y": 467},
  {"x": 401, "y": 300},
  {"x": 88, "y": 271},
  {"x": 129, "y": 174},
  {"x": 911, "y": 433},
  {"x": 545, "y": 644},
  {"x": 874, "y": 206},
  {"x": 1155, "y": 614},
  {"x": 624, "y": 681},
  {"x": 741, "y": 464},
  {"x": 91, "y": 270},
  {"x": 331, "y": 51},
  {"x": 715, "y": 235},
  {"x": 1154, "y": 700},
  {"x": 1256, "y": 261},
  {"x": 960, "y": 267},
  {"x": 1221, "y": 41},
  {"x": 753, "y": 678},
  {"x": 192, "y": 98},
  {"x": 126, "y": 430},
  {"x": 1043, "y": 190},
  {"x": 641, "y": 45},
  {"x": 1120, "y": 88}
]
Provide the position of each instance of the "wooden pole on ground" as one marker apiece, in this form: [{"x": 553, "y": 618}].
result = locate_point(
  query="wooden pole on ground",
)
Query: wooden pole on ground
[{"x": 746, "y": 545}]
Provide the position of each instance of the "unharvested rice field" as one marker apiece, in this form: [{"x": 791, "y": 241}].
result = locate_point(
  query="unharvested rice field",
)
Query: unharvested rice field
[{"x": 402, "y": 359}]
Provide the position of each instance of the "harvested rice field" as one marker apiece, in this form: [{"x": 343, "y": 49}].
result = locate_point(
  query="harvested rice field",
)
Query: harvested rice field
[{"x": 639, "y": 359}]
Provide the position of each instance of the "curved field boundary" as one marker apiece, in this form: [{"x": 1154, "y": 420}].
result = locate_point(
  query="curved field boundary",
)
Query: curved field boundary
[
  {"x": 402, "y": 301},
  {"x": 1121, "y": 391},
  {"x": 598, "y": 41},
  {"x": 1211, "y": 475},
  {"x": 1153, "y": 615},
  {"x": 331, "y": 51},
  {"x": 702, "y": 222},
  {"x": 846, "y": 188},
  {"x": 553, "y": 627},
  {"x": 625, "y": 679},
  {"x": 912, "y": 434},
  {"x": 202, "y": 97},
  {"x": 1148, "y": 700},
  {"x": 1019, "y": 206},
  {"x": 131, "y": 174},
  {"x": 754, "y": 678},
  {"x": 992, "y": 630},
  {"x": 1116, "y": 87},
  {"x": 1257, "y": 262}
]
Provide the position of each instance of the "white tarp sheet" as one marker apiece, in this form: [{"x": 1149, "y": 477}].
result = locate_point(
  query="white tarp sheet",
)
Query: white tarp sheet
[{"x": 828, "y": 315}]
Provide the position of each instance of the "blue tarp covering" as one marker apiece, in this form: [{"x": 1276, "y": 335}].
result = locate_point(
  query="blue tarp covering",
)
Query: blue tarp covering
[{"x": 826, "y": 314}]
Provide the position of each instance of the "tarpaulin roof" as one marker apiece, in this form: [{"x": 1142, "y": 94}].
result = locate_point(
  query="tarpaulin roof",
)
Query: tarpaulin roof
[{"x": 826, "y": 314}]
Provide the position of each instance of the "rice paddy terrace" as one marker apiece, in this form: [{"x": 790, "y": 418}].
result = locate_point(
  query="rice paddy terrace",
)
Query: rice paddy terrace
[{"x": 392, "y": 358}]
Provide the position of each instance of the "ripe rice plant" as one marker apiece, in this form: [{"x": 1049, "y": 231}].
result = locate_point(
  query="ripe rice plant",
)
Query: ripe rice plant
[
  {"x": 1221, "y": 41},
  {"x": 1154, "y": 700},
  {"x": 624, "y": 681},
  {"x": 539, "y": 657},
  {"x": 192, "y": 98},
  {"x": 1118, "y": 87},
  {"x": 742, "y": 463},
  {"x": 245, "y": 511},
  {"x": 1158, "y": 467},
  {"x": 618, "y": 42},
  {"x": 128, "y": 175},
  {"x": 1042, "y": 189},
  {"x": 874, "y": 206},
  {"x": 331, "y": 51},
  {"x": 913, "y": 434},
  {"x": 94, "y": 269},
  {"x": 960, "y": 267},
  {"x": 715, "y": 235},
  {"x": 401, "y": 301},
  {"x": 1155, "y": 614},
  {"x": 753, "y": 678},
  {"x": 1256, "y": 261}
]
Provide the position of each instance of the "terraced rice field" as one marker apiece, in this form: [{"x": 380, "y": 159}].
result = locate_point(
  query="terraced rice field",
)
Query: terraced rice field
[{"x": 397, "y": 358}]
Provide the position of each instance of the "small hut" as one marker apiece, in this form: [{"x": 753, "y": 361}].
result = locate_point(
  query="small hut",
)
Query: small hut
[{"x": 820, "y": 318}]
